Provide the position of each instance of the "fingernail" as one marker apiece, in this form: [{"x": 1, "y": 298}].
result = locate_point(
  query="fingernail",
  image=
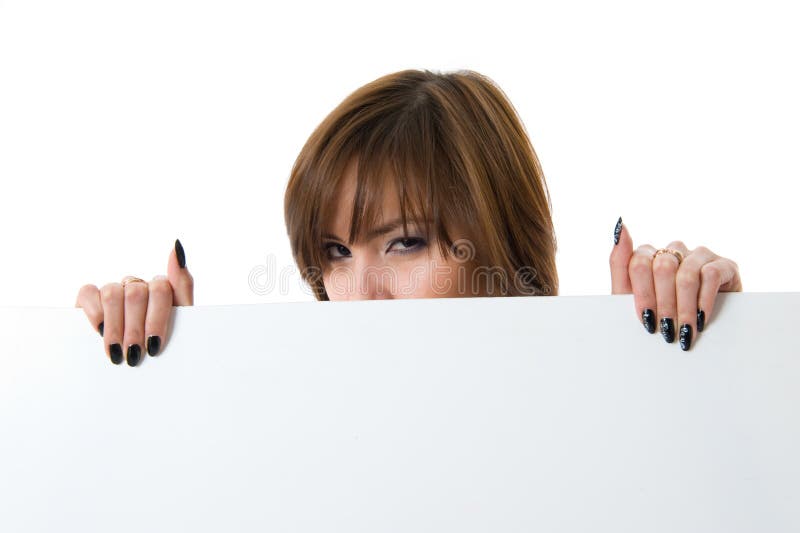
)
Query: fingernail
[
  {"x": 134, "y": 352},
  {"x": 701, "y": 319},
  {"x": 180, "y": 254},
  {"x": 100, "y": 328},
  {"x": 617, "y": 231},
  {"x": 115, "y": 351},
  {"x": 686, "y": 337},
  {"x": 153, "y": 344},
  {"x": 668, "y": 329},
  {"x": 649, "y": 320}
]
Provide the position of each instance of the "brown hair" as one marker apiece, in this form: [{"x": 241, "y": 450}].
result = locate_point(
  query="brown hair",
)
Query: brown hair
[{"x": 457, "y": 153}]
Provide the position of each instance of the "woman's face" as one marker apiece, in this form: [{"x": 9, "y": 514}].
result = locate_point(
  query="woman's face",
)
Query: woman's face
[{"x": 386, "y": 264}]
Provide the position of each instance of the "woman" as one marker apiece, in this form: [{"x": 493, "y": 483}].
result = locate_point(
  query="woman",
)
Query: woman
[{"x": 419, "y": 185}]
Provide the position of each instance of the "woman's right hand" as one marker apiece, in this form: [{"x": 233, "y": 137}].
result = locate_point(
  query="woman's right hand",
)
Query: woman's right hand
[{"x": 126, "y": 315}]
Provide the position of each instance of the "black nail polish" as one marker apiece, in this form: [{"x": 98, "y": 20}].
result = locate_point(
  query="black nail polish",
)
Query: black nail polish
[
  {"x": 153, "y": 344},
  {"x": 115, "y": 351},
  {"x": 686, "y": 337},
  {"x": 180, "y": 253},
  {"x": 649, "y": 320},
  {"x": 701, "y": 319},
  {"x": 134, "y": 352},
  {"x": 100, "y": 328},
  {"x": 617, "y": 231},
  {"x": 668, "y": 329}
]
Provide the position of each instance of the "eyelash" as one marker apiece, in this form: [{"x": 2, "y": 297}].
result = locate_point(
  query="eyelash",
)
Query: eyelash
[{"x": 416, "y": 244}]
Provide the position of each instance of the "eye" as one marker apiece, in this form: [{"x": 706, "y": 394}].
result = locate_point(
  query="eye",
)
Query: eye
[
  {"x": 408, "y": 245},
  {"x": 335, "y": 251}
]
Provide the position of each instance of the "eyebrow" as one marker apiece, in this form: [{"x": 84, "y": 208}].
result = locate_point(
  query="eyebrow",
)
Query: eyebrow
[{"x": 380, "y": 230}]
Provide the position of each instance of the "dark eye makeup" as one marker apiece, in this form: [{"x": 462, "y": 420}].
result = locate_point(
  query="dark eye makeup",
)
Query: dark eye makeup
[{"x": 402, "y": 246}]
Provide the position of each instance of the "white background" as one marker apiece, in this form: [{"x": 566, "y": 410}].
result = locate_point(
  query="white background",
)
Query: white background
[{"x": 125, "y": 125}]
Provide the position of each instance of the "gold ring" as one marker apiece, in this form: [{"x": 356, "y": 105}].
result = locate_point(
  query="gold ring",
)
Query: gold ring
[
  {"x": 131, "y": 279},
  {"x": 676, "y": 253}
]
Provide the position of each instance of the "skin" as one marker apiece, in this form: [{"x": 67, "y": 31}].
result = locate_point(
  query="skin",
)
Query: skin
[
  {"x": 668, "y": 287},
  {"x": 137, "y": 310},
  {"x": 386, "y": 267}
]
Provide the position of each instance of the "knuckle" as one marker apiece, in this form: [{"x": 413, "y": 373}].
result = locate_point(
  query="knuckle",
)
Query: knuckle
[
  {"x": 703, "y": 250},
  {"x": 639, "y": 265},
  {"x": 109, "y": 295},
  {"x": 664, "y": 266},
  {"x": 161, "y": 289},
  {"x": 686, "y": 281},
  {"x": 87, "y": 289},
  {"x": 85, "y": 294},
  {"x": 710, "y": 272},
  {"x": 136, "y": 293}
]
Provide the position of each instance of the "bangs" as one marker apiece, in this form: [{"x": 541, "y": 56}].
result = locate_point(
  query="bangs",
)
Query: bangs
[
  {"x": 453, "y": 151},
  {"x": 394, "y": 156}
]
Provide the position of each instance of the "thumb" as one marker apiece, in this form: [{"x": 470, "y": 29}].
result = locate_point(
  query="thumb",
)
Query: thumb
[
  {"x": 179, "y": 276},
  {"x": 619, "y": 260}
]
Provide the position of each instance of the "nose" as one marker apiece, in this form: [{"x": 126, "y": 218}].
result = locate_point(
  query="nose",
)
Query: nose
[
  {"x": 373, "y": 281},
  {"x": 363, "y": 278}
]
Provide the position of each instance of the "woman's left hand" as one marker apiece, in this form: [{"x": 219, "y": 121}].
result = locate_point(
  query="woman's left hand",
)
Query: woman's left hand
[{"x": 665, "y": 287}]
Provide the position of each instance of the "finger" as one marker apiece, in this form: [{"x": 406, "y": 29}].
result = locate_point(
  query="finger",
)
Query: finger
[
  {"x": 179, "y": 277},
  {"x": 620, "y": 258},
  {"x": 734, "y": 280},
  {"x": 159, "y": 307},
  {"x": 89, "y": 299},
  {"x": 687, "y": 287},
  {"x": 136, "y": 295},
  {"x": 644, "y": 293},
  {"x": 665, "y": 269},
  {"x": 112, "y": 298},
  {"x": 714, "y": 275}
]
